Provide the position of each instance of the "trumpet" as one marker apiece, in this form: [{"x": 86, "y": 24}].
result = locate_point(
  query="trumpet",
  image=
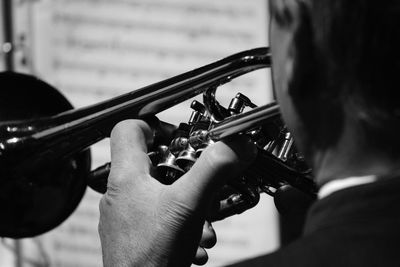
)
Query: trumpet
[{"x": 44, "y": 144}]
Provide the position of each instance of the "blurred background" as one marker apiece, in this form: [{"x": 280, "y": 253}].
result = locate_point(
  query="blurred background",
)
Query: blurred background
[{"x": 93, "y": 50}]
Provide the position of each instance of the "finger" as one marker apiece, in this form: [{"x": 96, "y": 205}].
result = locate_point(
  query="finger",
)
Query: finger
[
  {"x": 201, "y": 257},
  {"x": 216, "y": 164},
  {"x": 208, "y": 237},
  {"x": 129, "y": 140}
]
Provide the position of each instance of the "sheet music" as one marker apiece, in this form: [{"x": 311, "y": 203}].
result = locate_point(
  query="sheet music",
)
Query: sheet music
[
  {"x": 1, "y": 41},
  {"x": 93, "y": 50}
]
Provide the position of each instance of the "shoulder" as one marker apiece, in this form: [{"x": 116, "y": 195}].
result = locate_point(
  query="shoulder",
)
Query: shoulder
[{"x": 329, "y": 247}]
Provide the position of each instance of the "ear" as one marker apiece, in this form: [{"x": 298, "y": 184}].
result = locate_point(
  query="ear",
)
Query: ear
[
  {"x": 287, "y": 13},
  {"x": 285, "y": 19},
  {"x": 288, "y": 22}
]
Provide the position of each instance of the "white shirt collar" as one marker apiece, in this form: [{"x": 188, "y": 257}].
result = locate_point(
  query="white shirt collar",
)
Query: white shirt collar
[{"x": 340, "y": 184}]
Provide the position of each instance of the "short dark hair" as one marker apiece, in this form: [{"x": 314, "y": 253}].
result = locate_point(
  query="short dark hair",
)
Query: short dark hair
[{"x": 353, "y": 68}]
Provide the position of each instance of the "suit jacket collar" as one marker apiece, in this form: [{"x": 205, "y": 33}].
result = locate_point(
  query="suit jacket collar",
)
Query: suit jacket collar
[{"x": 365, "y": 203}]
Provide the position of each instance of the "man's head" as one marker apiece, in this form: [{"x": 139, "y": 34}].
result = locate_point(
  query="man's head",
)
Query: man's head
[{"x": 337, "y": 64}]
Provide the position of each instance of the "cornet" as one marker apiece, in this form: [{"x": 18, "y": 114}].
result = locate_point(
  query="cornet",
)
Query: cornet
[{"x": 44, "y": 143}]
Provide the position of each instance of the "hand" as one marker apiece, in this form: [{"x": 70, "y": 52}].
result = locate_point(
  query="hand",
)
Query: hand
[{"x": 146, "y": 223}]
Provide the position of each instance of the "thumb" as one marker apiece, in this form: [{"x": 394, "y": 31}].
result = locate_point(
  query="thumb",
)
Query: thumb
[
  {"x": 219, "y": 162},
  {"x": 129, "y": 158}
]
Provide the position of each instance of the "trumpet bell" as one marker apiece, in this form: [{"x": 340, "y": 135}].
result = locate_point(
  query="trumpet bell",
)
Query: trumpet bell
[{"x": 35, "y": 201}]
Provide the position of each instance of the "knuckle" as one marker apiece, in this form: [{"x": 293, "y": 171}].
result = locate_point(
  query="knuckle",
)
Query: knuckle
[
  {"x": 208, "y": 241},
  {"x": 237, "y": 154},
  {"x": 219, "y": 155},
  {"x": 127, "y": 126},
  {"x": 201, "y": 257},
  {"x": 125, "y": 179},
  {"x": 105, "y": 203},
  {"x": 209, "y": 237}
]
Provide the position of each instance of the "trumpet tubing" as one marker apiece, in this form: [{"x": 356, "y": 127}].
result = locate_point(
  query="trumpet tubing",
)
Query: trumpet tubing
[{"x": 44, "y": 143}]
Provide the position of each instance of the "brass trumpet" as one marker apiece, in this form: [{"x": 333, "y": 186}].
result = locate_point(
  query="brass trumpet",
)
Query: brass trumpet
[{"x": 44, "y": 143}]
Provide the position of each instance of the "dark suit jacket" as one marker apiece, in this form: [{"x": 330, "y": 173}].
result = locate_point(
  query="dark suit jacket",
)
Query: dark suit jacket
[{"x": 357, "y": 226}]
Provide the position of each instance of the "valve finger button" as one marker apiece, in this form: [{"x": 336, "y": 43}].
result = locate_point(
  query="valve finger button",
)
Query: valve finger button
[
  {"x": 167, "y": 169},
  {"x": 186, "y": 159},
  {"x": 169, "y": 174}
]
